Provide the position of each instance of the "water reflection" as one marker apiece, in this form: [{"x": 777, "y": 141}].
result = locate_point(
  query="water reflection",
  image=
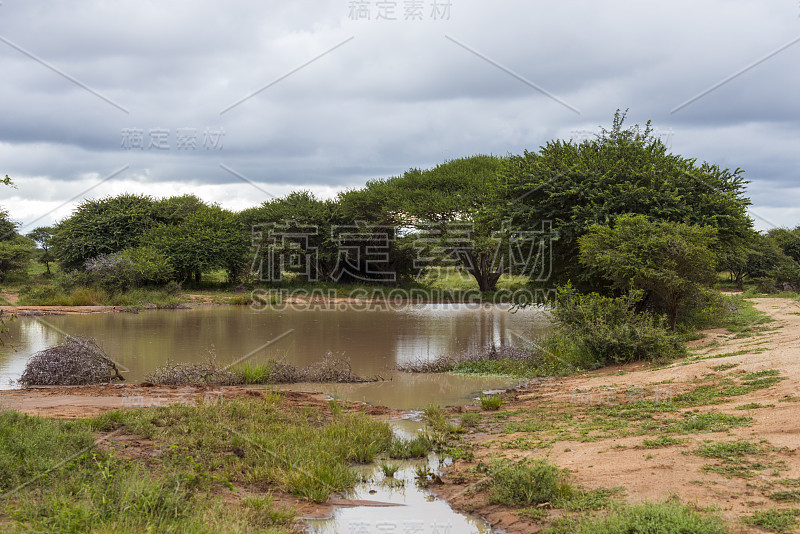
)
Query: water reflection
[{"x": 374, "y": 340}]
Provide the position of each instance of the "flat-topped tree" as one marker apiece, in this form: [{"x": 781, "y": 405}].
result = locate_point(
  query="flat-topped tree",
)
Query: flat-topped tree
[
  {"x": 453, "y": 208},
  {"x": 102, "y": 226}
]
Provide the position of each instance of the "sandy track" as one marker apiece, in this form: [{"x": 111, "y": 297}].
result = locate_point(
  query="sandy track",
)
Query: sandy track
[{"x": 656, "y": 474}]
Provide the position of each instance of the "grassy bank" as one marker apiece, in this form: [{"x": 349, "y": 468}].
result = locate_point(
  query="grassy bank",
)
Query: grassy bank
[
  {"x": 702, "y": 419},
  {"x": 536, "y": 491},
  {"x": 595, "y": 336},
  {"x": 438, "y": 284},
  {"x": 220, "y": 467}
]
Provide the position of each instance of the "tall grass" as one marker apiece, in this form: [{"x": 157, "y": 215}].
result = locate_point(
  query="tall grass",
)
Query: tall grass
[{"x": 63, "y": 482}]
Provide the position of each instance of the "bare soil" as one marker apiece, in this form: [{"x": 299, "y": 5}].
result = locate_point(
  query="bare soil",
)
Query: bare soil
[
  {"x": 653, "y": 474},
  {"x": 75, "y": 402}
]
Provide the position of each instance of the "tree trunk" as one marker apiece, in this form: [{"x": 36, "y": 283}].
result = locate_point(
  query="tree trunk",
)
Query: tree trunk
[
  {"x": 481, "y": 271},
  {"x": 197, "y": 277},
  {"x": 673, "y": 314}
]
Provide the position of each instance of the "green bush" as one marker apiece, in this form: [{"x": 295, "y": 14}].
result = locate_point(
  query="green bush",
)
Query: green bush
[
  {"x": 15, "y": 253},
  {"x": 491, "y": 402},
  {"x": 610, "y": 329},
  {"x": 766, "y": 285},
  {"x": 150, "y": 265},
  {"x": 528, "y": 482},
  {"x": 708, "y": 308}
]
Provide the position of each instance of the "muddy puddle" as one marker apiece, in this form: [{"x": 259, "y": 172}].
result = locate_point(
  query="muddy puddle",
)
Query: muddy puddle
[{"x": 398, "y": 504}]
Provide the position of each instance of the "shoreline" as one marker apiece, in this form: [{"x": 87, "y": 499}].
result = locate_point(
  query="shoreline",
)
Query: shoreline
[
  {"x": 77, "y": 402},
  {"x": 596, "y": 457},
  {"x": 597, "y": 426},
  {"x": 28, "y": 311}
]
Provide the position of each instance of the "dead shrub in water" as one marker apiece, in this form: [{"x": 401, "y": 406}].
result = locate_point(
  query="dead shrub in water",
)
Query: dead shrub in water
[
  {"x": 76, "y": 361},
  {"x": 181, "y": 374},
  {"x": 330, "y": 369},
  {"x": 489, "y": 353}
]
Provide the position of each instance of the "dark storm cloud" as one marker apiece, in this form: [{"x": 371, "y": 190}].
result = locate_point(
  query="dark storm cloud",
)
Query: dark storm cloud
[{"x": 382, "y": 96}]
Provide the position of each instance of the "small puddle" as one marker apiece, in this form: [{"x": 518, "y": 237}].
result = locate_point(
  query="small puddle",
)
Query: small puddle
[{"x": 409, "y": 508}]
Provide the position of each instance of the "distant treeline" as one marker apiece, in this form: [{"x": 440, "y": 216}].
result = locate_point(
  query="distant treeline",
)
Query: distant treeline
[{"x": 519, "y": 214}]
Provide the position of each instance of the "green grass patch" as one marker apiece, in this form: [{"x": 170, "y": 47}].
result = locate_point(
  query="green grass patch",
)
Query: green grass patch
[
  {"x": 534, "y": 482},
  {"x": 775, "y": 520},
  {"x": 786, "y": 496},
  {"x": 728, "y": 450},
  {"x": 417, "y": 447},
  {"x": 61, "y": 481},
  {"x": 753, "y": 406},
  {"x": 705, "y": 422},
  {"x": 388, "y": 469},
  {"x": 470, "y": 419},
  {"x": 663, "y": 441},
  {"x": 761, "y": 379},
  {"x": 647, "y": 518},
  {"x": 734, "y": 458},
  {"x": 491, "y": 402}
]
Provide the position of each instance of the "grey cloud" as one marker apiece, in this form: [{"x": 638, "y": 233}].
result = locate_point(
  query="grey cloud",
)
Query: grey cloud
[{"x": 398, "y": 95}]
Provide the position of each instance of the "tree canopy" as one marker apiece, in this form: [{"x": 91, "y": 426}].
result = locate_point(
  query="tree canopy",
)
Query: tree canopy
[
  {"x": 671, "y": 260},
  {"x": 102, "y": 226},
  {"x": 623, "y": 170},
  {"x": 454, "y": 209}
]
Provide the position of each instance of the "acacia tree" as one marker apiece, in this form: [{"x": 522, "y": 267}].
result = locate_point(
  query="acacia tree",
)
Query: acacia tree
[
  {"x": 671, "y": 260},
  {"x": 623, "y": 170},
  {"x": 41, "y": 236},
  {"x": 452, "y": 207}
]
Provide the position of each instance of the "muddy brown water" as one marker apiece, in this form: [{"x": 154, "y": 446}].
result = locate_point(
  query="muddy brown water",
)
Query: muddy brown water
[{"x": 375, "y": 340}]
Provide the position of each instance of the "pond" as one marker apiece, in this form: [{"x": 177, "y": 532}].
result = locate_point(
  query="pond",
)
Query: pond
[{"x": 374, "y": 339}]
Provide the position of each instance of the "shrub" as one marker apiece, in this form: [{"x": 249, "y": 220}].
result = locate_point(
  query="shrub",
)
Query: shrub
[
  {"x": 150, "y": 265},
  {"x": 330, "y": 369},
  {"x": 708, "y": 308},
  {"x": 491, "y": 402},
  {"x": 179, "y": 374},
  {"x": 111, "y": 271},
  {"x": 132, "y": 267},
  {"x": 610, "y": 329},
  {"x": 15, "y": 253}
]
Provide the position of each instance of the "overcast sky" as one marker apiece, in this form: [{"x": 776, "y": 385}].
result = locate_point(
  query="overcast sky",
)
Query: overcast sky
[{"x": 237, "y": 101}]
